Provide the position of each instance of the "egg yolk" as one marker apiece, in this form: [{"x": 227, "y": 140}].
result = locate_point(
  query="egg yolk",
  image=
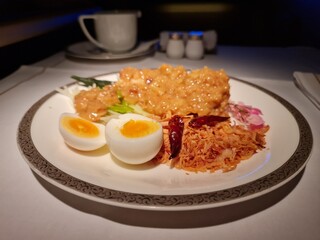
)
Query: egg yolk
[
  {"x": 138, "y": 128},
  {"x": 80, "y": 127}
]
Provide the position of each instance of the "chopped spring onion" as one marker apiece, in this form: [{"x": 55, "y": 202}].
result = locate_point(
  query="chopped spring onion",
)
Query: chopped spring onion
[{"x": 92, "y": 81}]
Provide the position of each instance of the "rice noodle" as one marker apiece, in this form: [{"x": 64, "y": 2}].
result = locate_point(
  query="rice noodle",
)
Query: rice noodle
[{"x": 208, "y": 148}]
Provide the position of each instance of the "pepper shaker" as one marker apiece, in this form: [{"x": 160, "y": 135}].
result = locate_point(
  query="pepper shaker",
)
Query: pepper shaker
[
  {"x": 210, "y": 39},
  {"x": 195, "y": 47},
  {"x": 175, "y": 47}
]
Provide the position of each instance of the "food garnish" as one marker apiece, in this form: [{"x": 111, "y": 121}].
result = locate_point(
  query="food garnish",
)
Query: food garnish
[
  {"x": 209, "y": 120},
  {"x": 89, "y": 81},
  {"x": 176, "y": 126},
  {"x": 247, "y": 115},
  {"x": 121, "y": 107}
]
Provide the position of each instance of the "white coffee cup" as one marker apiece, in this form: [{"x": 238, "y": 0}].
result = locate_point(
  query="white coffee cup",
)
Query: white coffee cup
[{"x": 116, "y": 31}]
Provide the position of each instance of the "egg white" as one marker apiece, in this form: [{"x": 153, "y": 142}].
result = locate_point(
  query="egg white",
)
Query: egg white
[
  {"x": 82, "y": 143},
  {"x": 132, "y": 150}
]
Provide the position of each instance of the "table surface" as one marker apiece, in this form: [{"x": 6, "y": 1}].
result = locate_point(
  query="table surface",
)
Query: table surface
[{"x": 32, "y": 208}]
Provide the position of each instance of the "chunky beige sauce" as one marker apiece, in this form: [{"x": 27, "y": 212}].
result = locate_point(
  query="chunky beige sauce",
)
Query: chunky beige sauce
[{"x": 159, "y": 91}]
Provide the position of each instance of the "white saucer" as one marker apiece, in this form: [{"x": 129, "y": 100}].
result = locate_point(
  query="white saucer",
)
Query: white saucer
[{"x": 86, "y": 50}]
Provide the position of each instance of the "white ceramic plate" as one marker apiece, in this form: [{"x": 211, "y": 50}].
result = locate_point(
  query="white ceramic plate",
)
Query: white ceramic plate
[
  {"x": 88, "y": 51},
  {"x": 99, "y": 177}
]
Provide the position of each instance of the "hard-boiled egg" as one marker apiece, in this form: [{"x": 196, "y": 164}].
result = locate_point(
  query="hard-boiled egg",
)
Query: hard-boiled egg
[
  {"x": 80, "y": 133},
  {"x": 133, "y": 138}
]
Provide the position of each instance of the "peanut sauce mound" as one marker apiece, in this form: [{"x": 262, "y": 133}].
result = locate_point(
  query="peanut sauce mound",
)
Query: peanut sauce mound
[{"x": 159, "y": 91}]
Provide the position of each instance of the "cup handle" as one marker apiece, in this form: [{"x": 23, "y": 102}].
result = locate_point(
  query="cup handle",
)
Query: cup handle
[{"x": 81, "y": 20}]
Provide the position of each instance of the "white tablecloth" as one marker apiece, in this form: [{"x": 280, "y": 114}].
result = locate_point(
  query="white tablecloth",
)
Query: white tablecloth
[{"x": 31, "y": 208}]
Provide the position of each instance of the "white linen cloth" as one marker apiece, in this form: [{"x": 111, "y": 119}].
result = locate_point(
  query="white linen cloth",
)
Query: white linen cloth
[
  {"x": 24, "y": 73},
  {"x": 31, "y": 208}
]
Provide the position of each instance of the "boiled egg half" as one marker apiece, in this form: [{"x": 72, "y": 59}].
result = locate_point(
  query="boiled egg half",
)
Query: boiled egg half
[
  {"x": 80, "y": 133},
  {"x": 133, "y": 138}
]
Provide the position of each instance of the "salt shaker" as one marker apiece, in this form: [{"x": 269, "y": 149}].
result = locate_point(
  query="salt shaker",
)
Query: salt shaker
[
  {"x": 175, "y": 47},
  {"x": 195, "y": 48}
]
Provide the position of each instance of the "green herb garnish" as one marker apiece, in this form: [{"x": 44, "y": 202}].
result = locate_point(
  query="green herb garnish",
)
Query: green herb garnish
[
  {"x": 91, "y": 81},
  {"x": 122, "y": 107}
]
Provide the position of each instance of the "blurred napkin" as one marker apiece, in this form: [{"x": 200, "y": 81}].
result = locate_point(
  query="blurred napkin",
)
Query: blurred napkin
[{"x": 309, "y": 84}]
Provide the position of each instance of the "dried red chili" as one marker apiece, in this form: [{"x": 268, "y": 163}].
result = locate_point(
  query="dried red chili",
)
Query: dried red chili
[
  {"x": 176, "y": 126},
  {"x": 210, "y": 120}
]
